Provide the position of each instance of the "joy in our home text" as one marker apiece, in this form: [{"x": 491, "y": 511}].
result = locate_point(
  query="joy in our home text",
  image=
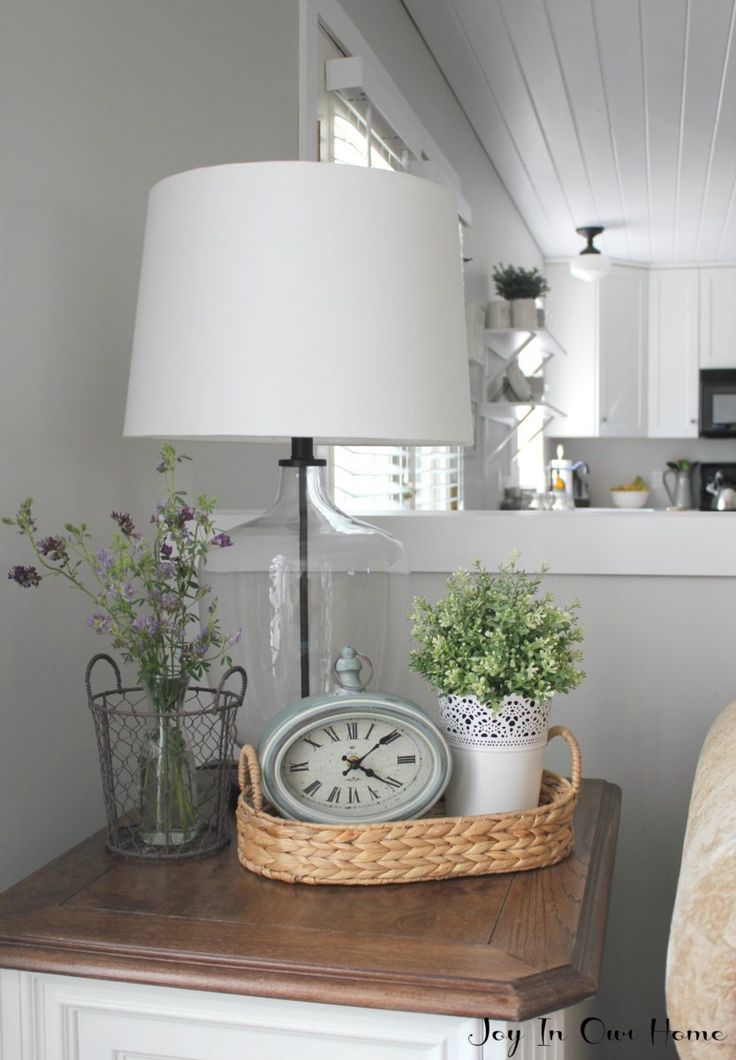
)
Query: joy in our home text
[{"x": 592, "y": 1030}]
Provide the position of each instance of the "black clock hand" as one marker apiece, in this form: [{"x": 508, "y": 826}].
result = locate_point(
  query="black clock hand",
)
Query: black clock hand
[
  {"x": 371, "y": 773},
  {"x": 384, "y": 740},
  {"x": 365, "y": 769}
]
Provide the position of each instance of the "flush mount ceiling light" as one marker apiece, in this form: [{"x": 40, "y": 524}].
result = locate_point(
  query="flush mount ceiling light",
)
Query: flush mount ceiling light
[{"x": 590, "y": 264}]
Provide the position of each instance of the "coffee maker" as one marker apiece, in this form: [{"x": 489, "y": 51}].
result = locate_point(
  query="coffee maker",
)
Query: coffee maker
[{"x": 573, "y": 474}]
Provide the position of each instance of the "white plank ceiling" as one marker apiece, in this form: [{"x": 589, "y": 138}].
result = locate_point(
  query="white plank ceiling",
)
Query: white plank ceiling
[{"x": 612, "y": 112}]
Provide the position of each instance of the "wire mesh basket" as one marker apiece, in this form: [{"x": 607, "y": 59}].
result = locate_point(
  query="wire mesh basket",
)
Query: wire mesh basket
[{"x": 165, "y": 775}]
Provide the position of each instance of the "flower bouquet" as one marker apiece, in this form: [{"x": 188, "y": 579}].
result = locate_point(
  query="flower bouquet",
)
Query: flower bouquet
[{"x": 147, "y": 598}]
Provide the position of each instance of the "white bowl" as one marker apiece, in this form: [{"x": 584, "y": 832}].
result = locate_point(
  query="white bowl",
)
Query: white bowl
[{"x": 629, "y": 498}]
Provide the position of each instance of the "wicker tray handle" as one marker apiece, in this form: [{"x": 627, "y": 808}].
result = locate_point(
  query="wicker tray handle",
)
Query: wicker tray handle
[
  {"x": 249, "y": 770},
  {"x": 249, "y": 776},
  {"x": 577, "y": 761}
]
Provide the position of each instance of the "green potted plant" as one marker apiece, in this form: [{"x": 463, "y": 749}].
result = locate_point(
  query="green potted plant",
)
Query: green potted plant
[
  {"x": 496, "y": 651},
  {"x": 147, "y": 598},
  {"x": 521, "y": 287}
]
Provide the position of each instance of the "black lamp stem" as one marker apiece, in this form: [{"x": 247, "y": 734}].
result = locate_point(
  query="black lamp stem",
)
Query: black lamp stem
[
  {"x": 302, "y": 458},
  {"x": 303, "y": 580}
]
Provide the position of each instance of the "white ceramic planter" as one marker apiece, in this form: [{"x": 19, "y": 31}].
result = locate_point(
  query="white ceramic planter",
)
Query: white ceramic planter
[
  {"x": 524, "y": 313},
  {"x": 499, "y": 313},
  {"x": 497, "y": 758}
]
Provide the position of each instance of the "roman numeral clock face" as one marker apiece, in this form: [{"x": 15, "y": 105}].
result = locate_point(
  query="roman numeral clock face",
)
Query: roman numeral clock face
[{"x": 343, "y": 763}]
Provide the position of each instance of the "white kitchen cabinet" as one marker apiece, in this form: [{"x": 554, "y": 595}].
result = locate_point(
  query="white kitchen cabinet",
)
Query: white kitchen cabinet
[
  {"x": 622, "y": 350},
  {"x": 602, "y": 383},
  {"x": 718, "y": 317},
  {"x": 674, "y": 326}
]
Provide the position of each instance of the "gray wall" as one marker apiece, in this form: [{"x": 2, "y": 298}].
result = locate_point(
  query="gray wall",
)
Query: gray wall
[{"x": 100, "y": 99}]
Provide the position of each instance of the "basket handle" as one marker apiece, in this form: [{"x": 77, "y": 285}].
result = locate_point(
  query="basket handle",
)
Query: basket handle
[
  {"x": 249, "y": 776},
  {"x": 101, "y": 657},
  {"x": 577, "y": 761},
  {"x": 225, "y": 678}
]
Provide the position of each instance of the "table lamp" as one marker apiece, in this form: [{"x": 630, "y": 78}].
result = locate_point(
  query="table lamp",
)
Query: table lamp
[{"x": 307, "y": 302}]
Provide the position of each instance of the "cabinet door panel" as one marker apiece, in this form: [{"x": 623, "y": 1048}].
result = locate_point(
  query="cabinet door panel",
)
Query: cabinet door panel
[
  {"x": 622, "y": 353},
  {"x": 67, "y": 1018},
  {"x": 673, "y": 353},
  {"x": 572, "y": 378},
  {"x": 718, "y": 318}
]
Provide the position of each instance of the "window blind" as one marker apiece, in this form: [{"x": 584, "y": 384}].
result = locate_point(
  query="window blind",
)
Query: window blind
[{"x": 376, "y": 478}]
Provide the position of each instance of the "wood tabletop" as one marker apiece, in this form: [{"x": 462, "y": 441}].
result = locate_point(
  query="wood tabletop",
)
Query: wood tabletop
[{"x": 512, "y": 946}]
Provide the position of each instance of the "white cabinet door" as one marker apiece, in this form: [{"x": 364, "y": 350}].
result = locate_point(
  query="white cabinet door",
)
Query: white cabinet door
[
  {"x": 673, "y": 353},
  {"x": 622, "y": 352},
  {"x": 572, "y": 379},
  {"x": 56, "y": 1017},
  {"x": 601, "y": 384},
  {"x": 718, "y": 317}
]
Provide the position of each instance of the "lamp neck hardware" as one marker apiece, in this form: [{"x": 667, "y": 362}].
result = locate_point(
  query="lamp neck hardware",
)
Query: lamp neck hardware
[{"x": 302, "y": 454}]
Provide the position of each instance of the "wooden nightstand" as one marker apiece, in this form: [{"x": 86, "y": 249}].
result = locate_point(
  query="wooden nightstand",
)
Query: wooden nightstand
[{"x": 106, "y": 958}]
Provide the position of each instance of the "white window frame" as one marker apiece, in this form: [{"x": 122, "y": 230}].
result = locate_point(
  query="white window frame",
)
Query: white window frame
[{"x": 362, "y": 64}]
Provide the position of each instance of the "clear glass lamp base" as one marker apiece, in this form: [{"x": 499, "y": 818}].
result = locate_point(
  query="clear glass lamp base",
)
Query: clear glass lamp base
[{"x": 353, "y": 577}]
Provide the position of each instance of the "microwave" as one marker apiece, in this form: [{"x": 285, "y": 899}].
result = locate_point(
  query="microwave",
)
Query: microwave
[{"x": 718, "y": 402}]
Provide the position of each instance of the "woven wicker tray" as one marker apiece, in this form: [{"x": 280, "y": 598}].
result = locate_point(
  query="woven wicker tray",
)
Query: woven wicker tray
[{"x": 429, "y": 848}]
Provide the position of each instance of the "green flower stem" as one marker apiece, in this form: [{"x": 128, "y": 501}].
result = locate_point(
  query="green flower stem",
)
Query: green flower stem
[{"x": 169, "y": 813}]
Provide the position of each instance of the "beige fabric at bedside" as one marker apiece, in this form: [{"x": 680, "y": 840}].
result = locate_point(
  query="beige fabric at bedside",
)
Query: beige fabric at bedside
[{"x": 701, "y": 961}]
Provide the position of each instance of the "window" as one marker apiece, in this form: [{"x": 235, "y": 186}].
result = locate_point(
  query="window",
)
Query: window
[{"x": 373, "y": 478}]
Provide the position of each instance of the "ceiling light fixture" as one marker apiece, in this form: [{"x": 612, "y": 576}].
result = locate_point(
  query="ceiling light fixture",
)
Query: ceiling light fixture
[{"x": 590, "y": 264}]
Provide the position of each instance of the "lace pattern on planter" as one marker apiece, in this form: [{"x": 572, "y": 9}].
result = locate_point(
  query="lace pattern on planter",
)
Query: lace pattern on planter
[{"x": 520, "y": 722}]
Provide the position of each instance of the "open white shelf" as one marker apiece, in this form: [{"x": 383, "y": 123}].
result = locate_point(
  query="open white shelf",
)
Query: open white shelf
[
  {"x": 512, "y": 414},
  {"x": 508, "y": 343}
]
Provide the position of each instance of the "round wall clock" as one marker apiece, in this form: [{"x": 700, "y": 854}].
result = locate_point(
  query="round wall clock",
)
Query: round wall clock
[{"x": 353, "y": 757}]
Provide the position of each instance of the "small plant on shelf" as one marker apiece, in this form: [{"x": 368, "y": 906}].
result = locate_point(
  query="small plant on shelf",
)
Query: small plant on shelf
[{"x": 513, "y": 282}]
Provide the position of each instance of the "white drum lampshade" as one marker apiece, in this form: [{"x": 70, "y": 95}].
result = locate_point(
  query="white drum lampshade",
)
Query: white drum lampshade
[{"x": 299, "y": 300}]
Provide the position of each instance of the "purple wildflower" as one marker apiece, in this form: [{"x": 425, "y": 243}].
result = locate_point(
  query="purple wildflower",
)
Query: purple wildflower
[
  {"x": 28, "y": 577},
  {"x": 125, "y": 523},
  {"x": 127, "y": 591},
  {"x": 153, "y": 596},
  {"x": 99, "y": 623},
  {"x": 234, "y": 638},
  {"x": 165, "y": 551},
  {"x": 165, "y": 569},
  {"x": 186, "y": 513},
  {"x": 146, "y": 624},
  {"x": 170, "y": 601},
  {"x": 105, "y": 558},
  {"x": 222, "y": 540},
  {"x": 54, "y": 548}
]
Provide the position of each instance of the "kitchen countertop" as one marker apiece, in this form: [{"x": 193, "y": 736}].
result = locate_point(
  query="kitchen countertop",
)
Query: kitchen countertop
[{"x": 605, "y": 541}]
